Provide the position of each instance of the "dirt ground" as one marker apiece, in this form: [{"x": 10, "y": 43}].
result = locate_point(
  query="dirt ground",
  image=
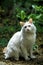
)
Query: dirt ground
[{"x": 37, "y": 61}]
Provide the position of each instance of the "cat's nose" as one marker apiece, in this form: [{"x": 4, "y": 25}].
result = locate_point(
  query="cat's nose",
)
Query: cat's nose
[{"x": 27, "y": 29}]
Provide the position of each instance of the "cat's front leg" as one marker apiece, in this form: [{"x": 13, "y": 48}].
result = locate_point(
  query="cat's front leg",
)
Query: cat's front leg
[
  {"x": 24, "y": 53},
  {"x": 31, "y": 53}
]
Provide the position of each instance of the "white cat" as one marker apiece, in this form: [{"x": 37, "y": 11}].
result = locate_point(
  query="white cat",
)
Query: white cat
[{"x": 22, "y": 42}]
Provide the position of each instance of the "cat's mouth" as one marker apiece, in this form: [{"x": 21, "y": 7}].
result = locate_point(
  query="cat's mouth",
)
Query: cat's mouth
[{"x": 28, "y": 30}]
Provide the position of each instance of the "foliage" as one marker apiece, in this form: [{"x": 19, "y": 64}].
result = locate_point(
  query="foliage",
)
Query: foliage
[
  {"x": 21, "y": 15},
  {"x": 13, "y": 11}
]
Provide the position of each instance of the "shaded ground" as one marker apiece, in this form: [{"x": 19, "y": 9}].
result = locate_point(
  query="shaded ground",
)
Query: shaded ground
[{"x": 37, "y": 61}]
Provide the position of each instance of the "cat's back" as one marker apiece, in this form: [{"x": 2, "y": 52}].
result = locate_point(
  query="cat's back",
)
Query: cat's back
[{"x": 15, "y": 38}]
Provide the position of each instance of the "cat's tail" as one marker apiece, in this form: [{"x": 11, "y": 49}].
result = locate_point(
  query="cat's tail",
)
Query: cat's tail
[{"x": 4, "y": 50}]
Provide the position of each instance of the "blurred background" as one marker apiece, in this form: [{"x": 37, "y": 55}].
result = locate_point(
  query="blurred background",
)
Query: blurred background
[{"x": 14, "y": 11}]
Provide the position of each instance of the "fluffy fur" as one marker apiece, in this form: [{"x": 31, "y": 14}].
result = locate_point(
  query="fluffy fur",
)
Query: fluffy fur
[{"x": 22, "y": 42}]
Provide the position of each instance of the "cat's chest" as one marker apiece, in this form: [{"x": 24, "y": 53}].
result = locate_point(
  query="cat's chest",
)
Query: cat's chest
[
  {"x": 28, "y": 41},
  {"x": 29, "y": 38}
]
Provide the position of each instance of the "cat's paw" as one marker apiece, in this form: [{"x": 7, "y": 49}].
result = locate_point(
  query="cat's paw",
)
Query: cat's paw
[
  {"x": 33, "y": 57},
  {"x": 16, "y": 59},
  {"x": 27, "y": 58},
  {"x": 6, "y": 57}
]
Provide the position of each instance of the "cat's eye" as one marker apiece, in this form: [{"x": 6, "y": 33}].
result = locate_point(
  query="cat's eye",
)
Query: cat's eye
[
  {"x": 29, "y": 25},
  {"x": 25, "y": 27}
]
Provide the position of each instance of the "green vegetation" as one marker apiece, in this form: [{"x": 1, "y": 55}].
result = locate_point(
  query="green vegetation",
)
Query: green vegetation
[{"x": 14, "y": 11}]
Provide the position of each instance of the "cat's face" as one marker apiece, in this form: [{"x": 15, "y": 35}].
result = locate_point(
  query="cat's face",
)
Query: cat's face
[{"x": 29, "y": 27}]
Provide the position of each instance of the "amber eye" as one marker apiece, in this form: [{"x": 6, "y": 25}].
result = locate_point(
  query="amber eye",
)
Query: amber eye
[
  {"x": 29, "y": 25},
  {"x": 25, "y": 27}
]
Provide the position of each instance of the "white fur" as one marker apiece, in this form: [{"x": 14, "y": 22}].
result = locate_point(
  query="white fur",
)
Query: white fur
[{"x": 22, "y": 42}]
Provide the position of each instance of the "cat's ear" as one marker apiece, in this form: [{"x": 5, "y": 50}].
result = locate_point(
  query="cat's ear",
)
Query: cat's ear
[
  {"x": 31, "y": 20},
  {"x": 22, "y": 23}
]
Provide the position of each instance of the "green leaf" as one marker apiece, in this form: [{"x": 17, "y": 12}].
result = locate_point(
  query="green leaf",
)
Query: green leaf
[{"x": 23, "y": 15}]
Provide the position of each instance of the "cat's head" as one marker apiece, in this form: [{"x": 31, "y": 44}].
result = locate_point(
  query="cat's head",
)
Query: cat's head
[{"x": 29, "y": 27}]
